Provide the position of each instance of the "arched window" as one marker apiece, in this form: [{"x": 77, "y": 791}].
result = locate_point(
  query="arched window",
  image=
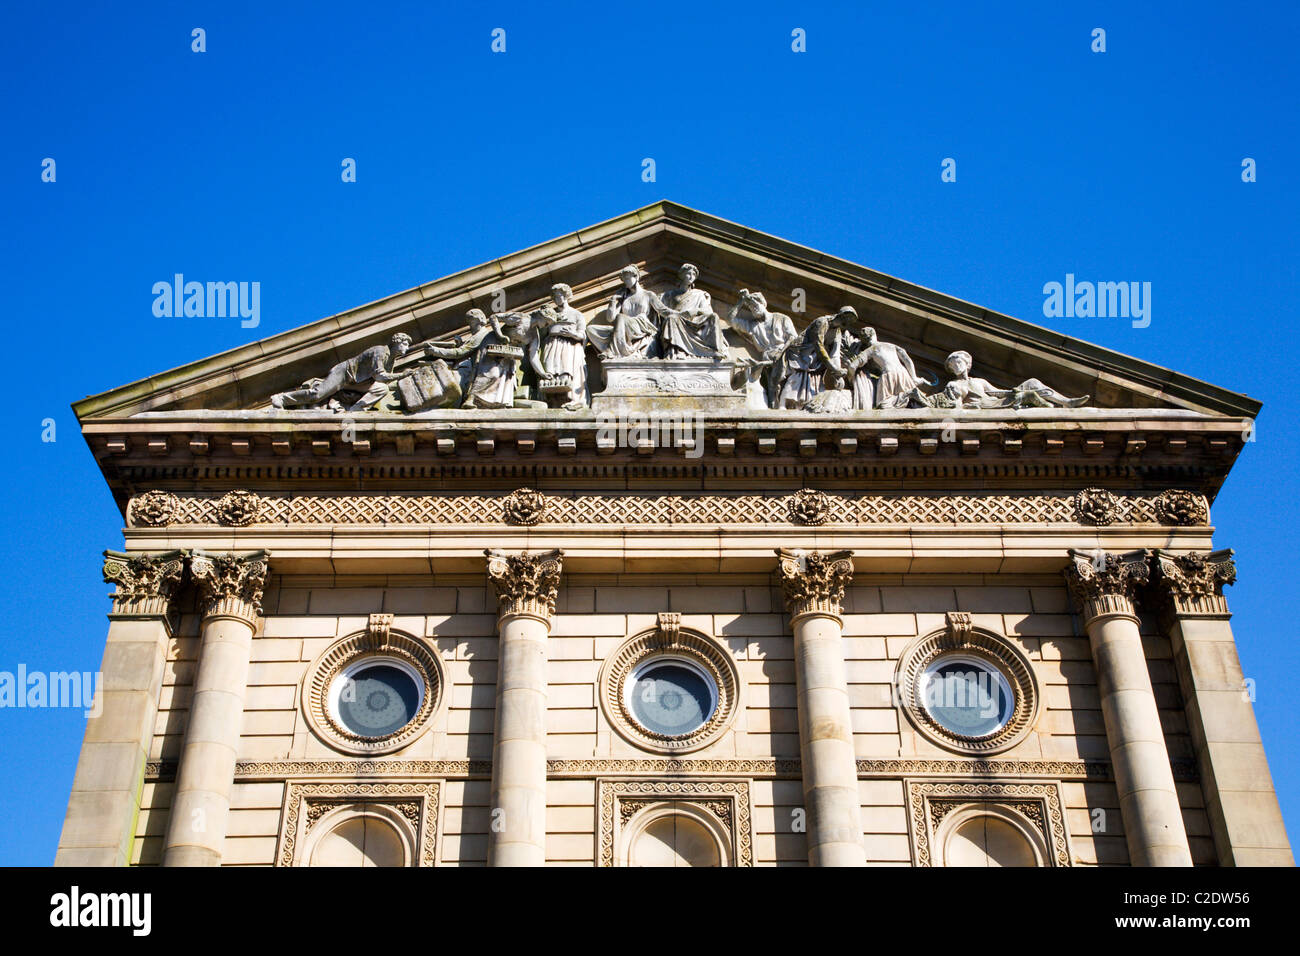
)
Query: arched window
[
  {"x": 360, "y": 835},
  {"x": 675, "y": 834},
  {"x": 989, "y": 836}
]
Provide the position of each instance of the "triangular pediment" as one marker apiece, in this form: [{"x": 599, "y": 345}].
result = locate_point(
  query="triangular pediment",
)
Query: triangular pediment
[{"x": 658, "y": 238}]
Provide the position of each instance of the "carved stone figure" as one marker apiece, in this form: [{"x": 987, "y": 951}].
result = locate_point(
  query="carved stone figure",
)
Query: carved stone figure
[
  {"x": 490, "y": 356},
  {"x": 559, "y": 355},
  {"x": 690, "y": 327},
  {"x": 771, "y": 333},
  {"x": 882, "y": 374},
  {"x": 808, "y": 360},
  {"x": 374, "y": 366},
  {"x": 633, "y": 329},
  {"x": 963, "y": 391}
]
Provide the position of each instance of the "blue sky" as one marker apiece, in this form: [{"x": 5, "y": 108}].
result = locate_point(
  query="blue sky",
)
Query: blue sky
[{"x": 225, "y": 165}]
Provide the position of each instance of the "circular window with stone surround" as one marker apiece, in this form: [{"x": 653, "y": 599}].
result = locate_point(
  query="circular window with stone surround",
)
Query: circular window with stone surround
[
  {"x": 670, "y": 690},
  {"x": 368, "y": 694},
  {"x": 968, "y": 689}
]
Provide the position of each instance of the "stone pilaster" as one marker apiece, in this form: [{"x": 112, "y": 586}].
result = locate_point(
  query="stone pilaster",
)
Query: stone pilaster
[
  {"x": 230, "y": 597},
  {"x": 814, "y": 593},
  {"x": 100, "y": 824},
  {"x": 526, "y": 586},
  {"x": 1104, "y": 588},
  {"x": 1239, "y": 796}
]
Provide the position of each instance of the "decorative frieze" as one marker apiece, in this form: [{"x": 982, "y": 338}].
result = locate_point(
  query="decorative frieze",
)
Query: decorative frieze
[
  {"x": 785, "y": 768},
  {"x": 814, "y": 583},
  {"x": 230, "y": 584},
  {"x": 1103, "y": 582},
  {"x": 145, "y": 581},
  {"x": 1192, "y": 584},
  {"x": 527, "y": 507},
  {"x": 526, "y": 584}
]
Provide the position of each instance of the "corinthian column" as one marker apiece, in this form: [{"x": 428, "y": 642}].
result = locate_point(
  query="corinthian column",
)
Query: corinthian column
[
  {"x": 526, "y": 586},
  {"x": 105, "y": 801},
  {"x": 1239, "y": 796},
  {"x": 814, "y": 589},
  {"x": 1103, "y": 586},
  {"x": 230, "y": 593}
]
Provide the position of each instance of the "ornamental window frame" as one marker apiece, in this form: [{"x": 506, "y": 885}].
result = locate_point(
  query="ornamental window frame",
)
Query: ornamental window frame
[
  {"x": 670, "y": 641},
  {"x": 378, "y": 643},
  {"x": 314, "y": 808},
  {"x": 626, "y": 806},
  {"x": 961, "y": 640},
  {"x": 936, "y": 806}
]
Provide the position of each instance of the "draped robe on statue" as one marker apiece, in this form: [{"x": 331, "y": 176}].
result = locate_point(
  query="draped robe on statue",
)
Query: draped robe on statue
[
  {"x": 632, "y": 330},
  {"x": 691, "y": 328}
]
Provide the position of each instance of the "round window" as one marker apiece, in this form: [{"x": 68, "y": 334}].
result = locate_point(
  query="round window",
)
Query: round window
[
  {"x": 966, "y": 696},
  {"x": 671, "y": 697},
  {"x": 376, "y": 697}
]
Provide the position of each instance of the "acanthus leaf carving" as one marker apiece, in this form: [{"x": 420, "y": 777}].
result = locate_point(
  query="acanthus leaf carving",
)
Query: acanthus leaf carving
[
  {"x": 145, "y": 581},
  {"x": 230, "y": 583},
  {"x": 814, "y": 582},
  {"x": 525, "y": 583},
  {"x": 1102, "y": 582},
  {"x": 1194, "y": 583}
]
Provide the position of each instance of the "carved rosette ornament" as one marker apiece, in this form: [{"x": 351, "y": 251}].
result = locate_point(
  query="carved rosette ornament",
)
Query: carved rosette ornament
[
  {"x": 145, "y": 582},
  {"x": 1181, "y": 508},
  {"x": 238, "y": 508},
  {"x": 230, "y": 585},
  {"x": 813, "y": 582},
  {"x": 809, "y": 506},
  {"x": 154, "y": 509},
  {"x": 1103, "y": 582},
  {"x": 526, "y": 584},
  {"x": 523, "y": 506},
  {"x": 1192, "y": 584},
  {"x": 1096, "y": 506}
]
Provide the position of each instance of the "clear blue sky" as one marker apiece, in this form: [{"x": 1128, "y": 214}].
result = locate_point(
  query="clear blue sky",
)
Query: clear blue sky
[{"x": 225, "y": 165}]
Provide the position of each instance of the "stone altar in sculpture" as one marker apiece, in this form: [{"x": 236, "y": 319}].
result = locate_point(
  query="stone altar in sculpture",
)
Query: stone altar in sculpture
[{"x": 638, "y": 385}]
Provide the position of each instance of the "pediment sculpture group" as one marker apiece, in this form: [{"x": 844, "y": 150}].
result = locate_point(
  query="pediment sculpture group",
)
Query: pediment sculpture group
[{"x": 539, "y": 359}]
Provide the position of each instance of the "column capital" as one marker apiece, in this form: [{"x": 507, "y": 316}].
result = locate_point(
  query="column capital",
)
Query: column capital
[
  {"x": 813, "y": 582},
  {"x": 146, "y": 581},
  {"x": 230, "y": 584},
  {"x": 527, "y": 583},
  {"x": 1106, "y": 582},
  {"x": 1192, "y": 584}
]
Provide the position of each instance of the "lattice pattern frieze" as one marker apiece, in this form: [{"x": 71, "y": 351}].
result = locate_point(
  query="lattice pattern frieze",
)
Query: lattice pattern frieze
[{"x": 649, "y": 509}]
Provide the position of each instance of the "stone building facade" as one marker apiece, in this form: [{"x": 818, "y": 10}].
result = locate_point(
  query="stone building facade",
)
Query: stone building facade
[{"x": 435, "y": 583}]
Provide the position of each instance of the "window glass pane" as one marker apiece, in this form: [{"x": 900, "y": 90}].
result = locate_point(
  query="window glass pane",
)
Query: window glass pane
[
  {"x": 377, "y": 700},
  {"x": 967, "y": 698},
  {"x": 671, "y": 699}
]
